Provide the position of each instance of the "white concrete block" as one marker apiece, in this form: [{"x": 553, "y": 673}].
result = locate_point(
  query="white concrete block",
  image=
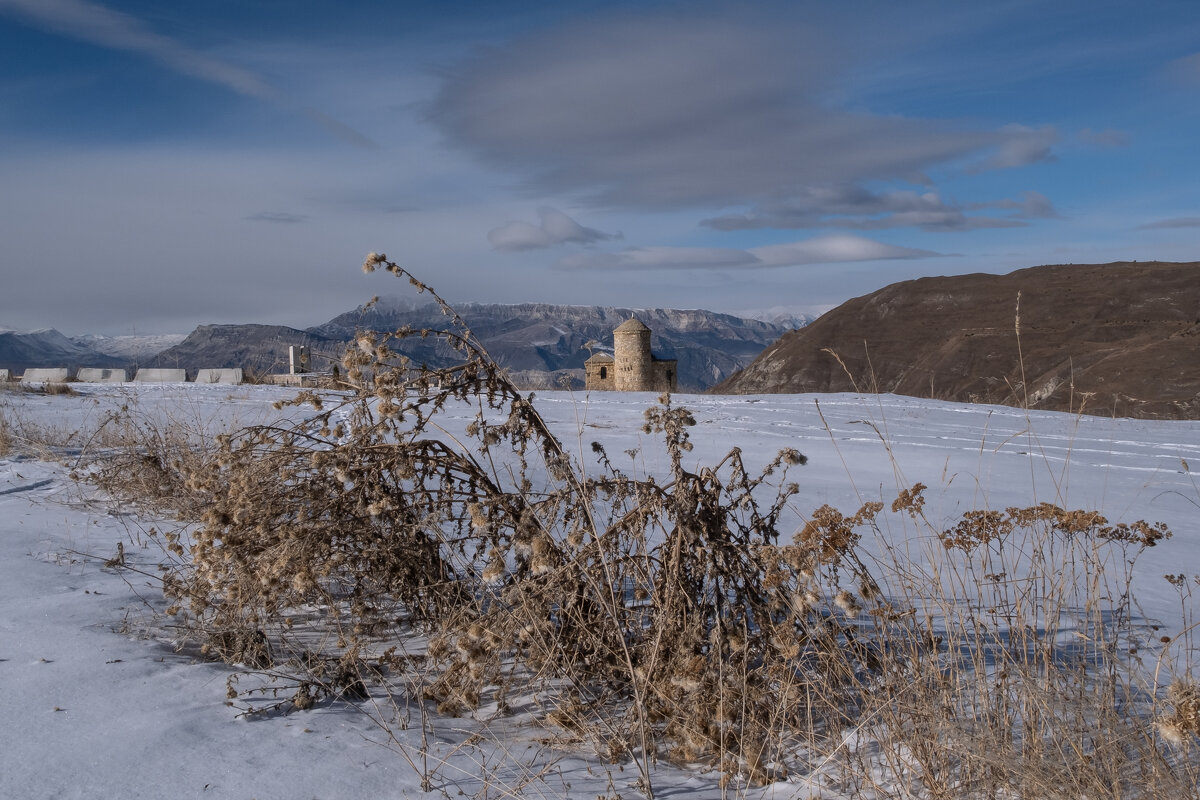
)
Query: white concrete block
[
  {"x": 3, "y": 375},
  {"x": 45, "y": 375},
  {"x": 146, "y": 375},
  {"x": 233, "y": 375},
  {"x": 100, "y": 375}
]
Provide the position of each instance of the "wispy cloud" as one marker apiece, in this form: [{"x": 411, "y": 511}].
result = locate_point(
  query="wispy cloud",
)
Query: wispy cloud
[
  {"x": 554, "y": 229},
  {"x": 1175, "y": 222},
  {"x": 91, "y": 22},
  {"x": 820, "y": 250},
  {"x": 100, "y": 25}
]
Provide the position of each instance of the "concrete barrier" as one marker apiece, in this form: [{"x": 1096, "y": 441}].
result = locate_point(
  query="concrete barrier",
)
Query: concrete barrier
[
  {"x": 160, "y": 376},
  {"x": 45, "y": 375},
  {"x": 3, "y": 376},
  {"x": 233, "y": 375},
  {"x": 100, "y": 375}
]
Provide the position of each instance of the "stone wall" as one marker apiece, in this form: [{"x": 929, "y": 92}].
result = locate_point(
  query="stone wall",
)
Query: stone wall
[
  {"x": 600, "y": 373},
  {"x": 666, "y": 375}
]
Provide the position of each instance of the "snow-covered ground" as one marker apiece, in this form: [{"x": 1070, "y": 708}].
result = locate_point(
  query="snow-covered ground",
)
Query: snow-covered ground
[{"x": 90, "y": 708}]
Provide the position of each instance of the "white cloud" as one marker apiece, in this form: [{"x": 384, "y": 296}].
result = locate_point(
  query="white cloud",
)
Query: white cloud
[
  {"x": 835, "y": 248},
  {"x": 555, "y": 228},
  {"x": 820, "y": 250}
]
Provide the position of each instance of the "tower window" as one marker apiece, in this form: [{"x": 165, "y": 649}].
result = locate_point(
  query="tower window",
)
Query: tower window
[{"x": 604, "y": 373}]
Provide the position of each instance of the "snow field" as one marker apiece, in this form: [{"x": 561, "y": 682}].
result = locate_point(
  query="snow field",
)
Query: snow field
[{"x": 91, "y": 708}]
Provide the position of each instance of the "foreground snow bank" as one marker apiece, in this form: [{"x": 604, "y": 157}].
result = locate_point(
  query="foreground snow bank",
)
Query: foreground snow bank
[{"x": 90, "y": 708}]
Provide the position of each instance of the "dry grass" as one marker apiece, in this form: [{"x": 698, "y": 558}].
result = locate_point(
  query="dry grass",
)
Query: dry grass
[
  {"x": 8, "y": 438},
  {"x": 145, "y": 459},
  {"x": 52, "y": 389},
  {"x": 136, "y": 457},
  {"x": 367, "y": 554},
  {"x": 19, "y": 435}
]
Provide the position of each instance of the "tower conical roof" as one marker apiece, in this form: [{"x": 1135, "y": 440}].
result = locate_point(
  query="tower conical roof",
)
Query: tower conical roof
[{"x": 631, "y": 325}]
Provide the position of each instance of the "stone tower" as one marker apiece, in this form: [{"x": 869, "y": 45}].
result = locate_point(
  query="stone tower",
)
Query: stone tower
[
  {"x": 631, "y": 351},
  {"x": 631, "y": 367}
]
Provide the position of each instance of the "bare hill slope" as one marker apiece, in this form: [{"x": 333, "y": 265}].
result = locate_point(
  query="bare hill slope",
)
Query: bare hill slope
[{"x": 1121, "y": 338}]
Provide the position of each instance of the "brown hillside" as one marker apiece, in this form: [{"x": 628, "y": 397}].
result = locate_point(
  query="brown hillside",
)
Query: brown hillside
[{"x": 1120, "y": 339}]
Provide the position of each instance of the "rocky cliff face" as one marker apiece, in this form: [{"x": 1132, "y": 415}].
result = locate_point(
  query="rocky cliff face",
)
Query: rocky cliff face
[{"x": 1119, "y": 339}]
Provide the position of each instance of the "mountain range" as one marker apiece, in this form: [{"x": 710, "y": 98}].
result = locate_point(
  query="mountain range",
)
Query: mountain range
[
  {"x": 20, "y": 350},
  {"x": 542, "y": 345}
]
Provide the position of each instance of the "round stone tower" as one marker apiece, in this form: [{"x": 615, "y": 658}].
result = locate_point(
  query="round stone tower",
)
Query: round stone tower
[{"x": 631, "y": 350}]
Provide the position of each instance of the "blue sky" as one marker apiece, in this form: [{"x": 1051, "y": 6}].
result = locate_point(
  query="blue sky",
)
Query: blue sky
[{"x": 164, "y": 165}]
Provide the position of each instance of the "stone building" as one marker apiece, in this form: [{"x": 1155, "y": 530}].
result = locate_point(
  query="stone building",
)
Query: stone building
[{"x": 632, "y": 367}]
